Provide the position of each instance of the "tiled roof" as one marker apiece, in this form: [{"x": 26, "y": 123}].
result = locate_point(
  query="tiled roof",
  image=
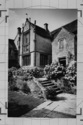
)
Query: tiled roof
[
  {"x": 71, "y": 27},
  {"x": 40, "y": 31}
]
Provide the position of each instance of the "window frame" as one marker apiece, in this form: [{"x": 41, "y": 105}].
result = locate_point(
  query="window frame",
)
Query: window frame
[
  {"x": 26, "y": 44},
  {"x": 61, "y": 43},
  {"x": 43, "y": 59},
  {"x": 25, "y": 60}
]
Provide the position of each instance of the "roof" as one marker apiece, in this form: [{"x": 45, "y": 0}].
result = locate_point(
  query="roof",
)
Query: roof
[
  {"x": 41, "y": 31},
  {"x": 71, "y": 27}
]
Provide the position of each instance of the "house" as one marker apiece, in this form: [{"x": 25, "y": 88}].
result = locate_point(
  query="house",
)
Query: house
[
  {"x": 34, "y": 44},
  {"x": 38, "y": 46},
  {"x": 64, "y": 43},
  {"x": 13, "y": 54}
]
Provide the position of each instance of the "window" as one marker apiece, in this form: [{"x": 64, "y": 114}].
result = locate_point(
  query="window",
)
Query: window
[
  {"x": 26, "y": 60},
  {"x": 43, "y": 60},
  {"x": 61, "y": 44},
  {"x": 27, "y": 41},
  {"x": 26, "y": 46}
]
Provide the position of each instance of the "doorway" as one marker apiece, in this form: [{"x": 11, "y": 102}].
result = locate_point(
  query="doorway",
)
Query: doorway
[{"x": 62, "y": 61}]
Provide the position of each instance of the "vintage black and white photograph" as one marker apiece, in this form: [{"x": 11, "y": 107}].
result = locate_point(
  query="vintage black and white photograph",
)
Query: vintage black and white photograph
[{"x": 42, "y": 63}]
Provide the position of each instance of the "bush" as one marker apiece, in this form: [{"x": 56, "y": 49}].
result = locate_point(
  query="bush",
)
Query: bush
[
  {"x": 37, "y": 72},
  {"x": 27, "y": 77},
  {"x": 54, "y": 71},
  {"x": 25, "y": 88},
  {"x": 15, "y": 83},
  {"x": 65, "y": 75},
  {"x": 12, "y": 84},
  {"x": 50, "y": 93},
  {"x": 69, "y": 80},
  {"x": 11, "y": 81},
  {"x": 71, "y": 73},
  {"x": 69, "y": 87},
  {"x": 20, "y": 85},
  {"x": 34, "y": 71},
  {"x": 26, "y": 73}
]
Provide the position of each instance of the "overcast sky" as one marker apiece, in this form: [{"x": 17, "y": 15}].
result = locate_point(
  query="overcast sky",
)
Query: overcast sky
[{"x": 54, "y": 17}]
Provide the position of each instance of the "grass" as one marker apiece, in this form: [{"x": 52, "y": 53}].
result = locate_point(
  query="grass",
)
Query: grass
[{"x": 20, "y": 104}]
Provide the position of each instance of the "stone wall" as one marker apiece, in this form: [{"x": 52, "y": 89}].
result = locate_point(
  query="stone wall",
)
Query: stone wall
[{"x": 68, "y": 43}]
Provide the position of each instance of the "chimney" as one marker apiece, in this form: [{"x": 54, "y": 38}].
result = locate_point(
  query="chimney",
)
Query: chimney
[
  {"x": 29, "y": 23},
  {"x": 34, "y": 22},
  {"x": 19, "y": 30},
  {"x": 34, "y": 25},
  {"x": 46, "y": 26},
  {"x": 26, "y": 17}
]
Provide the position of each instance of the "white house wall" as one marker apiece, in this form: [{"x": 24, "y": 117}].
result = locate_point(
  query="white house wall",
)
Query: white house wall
[{"x": 32, "y": 35}]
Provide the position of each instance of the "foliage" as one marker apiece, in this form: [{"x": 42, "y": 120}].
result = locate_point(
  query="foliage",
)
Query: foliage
[
  {"x": 25, "y": 88},
  {"x": 37, "y": 72},
  {"x": 69, "y": 87},
  {"x": 11, "y": 81},
  {"x": 34, "y": 71},
  {"x": 50, "y": 93},
  {"x": 18, "y": 78},
  {"x": 15, "y": 83},
  {"x": 69, "y": 79},
  {"x": 54, "y": 71},
  {"x": 71, "y": 73},
  {"x": 64, "y": 76},
  {"x": 30, "y": 72}
]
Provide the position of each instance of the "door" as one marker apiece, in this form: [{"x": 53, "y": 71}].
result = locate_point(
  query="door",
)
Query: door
[{"x": 62, "y": 61}]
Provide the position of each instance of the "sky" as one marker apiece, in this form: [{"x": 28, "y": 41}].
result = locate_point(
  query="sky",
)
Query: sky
[{"x": 54, "y": 17}]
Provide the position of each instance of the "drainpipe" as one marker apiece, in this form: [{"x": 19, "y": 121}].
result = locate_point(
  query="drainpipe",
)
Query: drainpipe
[
  {"x": 19, "y": 38},
  {"x": 35, "y": 43},
  {"x": 22, "y": 40},
  {"x": 30, "y": 38}
]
